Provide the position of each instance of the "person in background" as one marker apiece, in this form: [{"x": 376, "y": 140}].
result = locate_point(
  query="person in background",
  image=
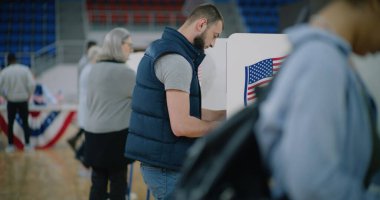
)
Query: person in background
[
  {"x": 108, "y": 108},
  {"x": 17, "y": 86},
  {"x": 84, "y": 60},
  {"x": 317, "y": 128},
  {"x": 166, "y": 109},
  {"x": 93, "y": 54}
]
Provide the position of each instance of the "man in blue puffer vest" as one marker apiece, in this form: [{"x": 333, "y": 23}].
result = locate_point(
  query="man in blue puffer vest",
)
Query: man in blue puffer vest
[{"x": 166, "y": 108}]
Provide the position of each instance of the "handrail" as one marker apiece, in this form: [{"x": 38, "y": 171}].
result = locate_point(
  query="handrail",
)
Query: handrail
[{"x": 45, "y": 49}]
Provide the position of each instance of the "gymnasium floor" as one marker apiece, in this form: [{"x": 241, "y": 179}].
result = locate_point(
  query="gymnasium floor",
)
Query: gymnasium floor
[{"x": 49, "y": 174}]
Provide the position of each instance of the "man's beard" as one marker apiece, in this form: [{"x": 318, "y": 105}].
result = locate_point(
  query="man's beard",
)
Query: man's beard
[{"x": 199, "y": 42}]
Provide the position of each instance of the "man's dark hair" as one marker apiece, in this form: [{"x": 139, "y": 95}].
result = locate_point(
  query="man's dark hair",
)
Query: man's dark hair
[
  {"x": 11, "y": 58},
  {"x": 208, "y": 11}
]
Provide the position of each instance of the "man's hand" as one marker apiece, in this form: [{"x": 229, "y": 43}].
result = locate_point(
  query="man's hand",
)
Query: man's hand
[{"x": 181, "y": 122}]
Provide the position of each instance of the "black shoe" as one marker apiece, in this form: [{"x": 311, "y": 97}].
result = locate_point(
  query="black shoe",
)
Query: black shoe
[{"x": 72, "y": 142}]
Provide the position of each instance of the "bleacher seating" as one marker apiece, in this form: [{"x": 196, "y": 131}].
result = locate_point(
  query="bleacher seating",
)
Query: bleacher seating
[
  {"x": 26, "y": 27},
  {"x": 135, "y": 12},
  {"x": 261, "y": 16}
]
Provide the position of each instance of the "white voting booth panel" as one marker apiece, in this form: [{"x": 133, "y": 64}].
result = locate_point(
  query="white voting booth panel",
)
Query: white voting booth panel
[
  {"x": 251, "y": 57},
  {"x": 212, "y": 75}
]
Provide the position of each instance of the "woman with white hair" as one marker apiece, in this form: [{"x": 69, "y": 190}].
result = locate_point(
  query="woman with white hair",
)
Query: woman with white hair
[{"x": 109, "y": 95}]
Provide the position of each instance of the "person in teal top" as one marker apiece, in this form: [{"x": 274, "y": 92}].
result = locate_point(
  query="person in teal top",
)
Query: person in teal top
[{"x": 317, "y": 128}]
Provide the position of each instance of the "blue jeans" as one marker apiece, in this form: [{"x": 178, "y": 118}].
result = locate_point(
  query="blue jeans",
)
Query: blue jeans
[{"x": 160, "y": 181}]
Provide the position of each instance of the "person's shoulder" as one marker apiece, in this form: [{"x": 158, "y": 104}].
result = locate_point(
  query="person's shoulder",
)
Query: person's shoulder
[
  {"x": 119, "y": 67},
  {"x": 24, "y": 68},
  {"x": 12, "y": 68},
  {"x": 172, "y": 57},
  {"x": 19, "y": 66},
  {"x": 5, "y": 70},
  {"x": 316, "y": 52},
  {"x": 316, "y": 43},
  {"x": 127, "y": 69},
  {"x": 173, "y": 62},
  {"x": 120, "y": 71},
  {"x": 316, "y": 59}
]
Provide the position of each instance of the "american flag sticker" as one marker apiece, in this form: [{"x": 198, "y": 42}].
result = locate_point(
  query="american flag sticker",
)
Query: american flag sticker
[{"x": 259, "y": 75}]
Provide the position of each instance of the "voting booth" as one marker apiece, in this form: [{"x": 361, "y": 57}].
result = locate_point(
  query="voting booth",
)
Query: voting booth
[{"x": 237, "y": 65}]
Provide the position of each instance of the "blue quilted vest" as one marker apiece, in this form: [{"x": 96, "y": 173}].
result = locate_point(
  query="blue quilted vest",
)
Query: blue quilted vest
[{"x": 150, "y": 139}]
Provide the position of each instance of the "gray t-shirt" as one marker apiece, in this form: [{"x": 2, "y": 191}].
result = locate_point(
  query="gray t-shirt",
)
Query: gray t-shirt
[{"x": 174, "y": 71}]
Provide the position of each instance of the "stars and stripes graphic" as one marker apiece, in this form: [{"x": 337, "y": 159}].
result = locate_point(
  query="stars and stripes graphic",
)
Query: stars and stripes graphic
[
  {"x": 47, "y": 127},
  {"x": 258, "y": 75}
]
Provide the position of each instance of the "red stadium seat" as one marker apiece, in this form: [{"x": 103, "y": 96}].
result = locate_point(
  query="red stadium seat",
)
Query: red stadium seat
[{"x": 140, "y": 12}]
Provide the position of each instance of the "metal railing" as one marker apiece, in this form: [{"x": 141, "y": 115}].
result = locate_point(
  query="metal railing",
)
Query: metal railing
[
  {"x": 43, "y": 59},
  {"x": 49, "y": 56}
]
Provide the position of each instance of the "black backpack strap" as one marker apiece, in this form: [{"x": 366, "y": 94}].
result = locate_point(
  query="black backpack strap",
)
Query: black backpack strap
[{"x": 375, "y": 157}]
